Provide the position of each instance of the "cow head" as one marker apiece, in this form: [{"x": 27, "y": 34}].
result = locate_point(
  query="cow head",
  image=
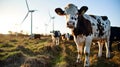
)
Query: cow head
[{"x": 71, "y": 12}]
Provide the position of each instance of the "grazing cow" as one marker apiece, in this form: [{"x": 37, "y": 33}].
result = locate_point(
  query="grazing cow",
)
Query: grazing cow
[
  {"x": 56, "y": 37},
  {"x": 86, "y": 29},
  {"x": 115, "y": 36},
  {"x": 37, "y": 36}
]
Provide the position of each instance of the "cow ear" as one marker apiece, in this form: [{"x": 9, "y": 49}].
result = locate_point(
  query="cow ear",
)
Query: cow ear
[
  {"x": 82, "y": 10},
  {"x": 59, "y": 11}
]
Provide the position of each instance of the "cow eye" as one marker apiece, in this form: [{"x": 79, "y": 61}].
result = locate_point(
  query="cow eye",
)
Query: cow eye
[
  {"x": 75, "y": 18},
  {"x": 72, "y": 18}
]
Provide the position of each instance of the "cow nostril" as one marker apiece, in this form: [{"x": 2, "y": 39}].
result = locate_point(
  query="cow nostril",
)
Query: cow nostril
[
  {"x": 73, "y": 23},
  {"x": 67, "y": 23}
]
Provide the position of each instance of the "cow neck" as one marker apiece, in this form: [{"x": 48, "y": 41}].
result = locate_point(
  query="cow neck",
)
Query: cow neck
[{"x": 83, "y": 27}]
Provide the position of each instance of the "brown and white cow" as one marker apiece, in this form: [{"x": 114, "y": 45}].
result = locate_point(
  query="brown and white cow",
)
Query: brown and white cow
[{"x": 86, "y": 29}]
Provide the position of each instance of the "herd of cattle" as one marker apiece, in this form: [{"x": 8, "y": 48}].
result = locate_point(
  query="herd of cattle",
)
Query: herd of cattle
[
  {"x": 114, "y": 37},
  {"x": 87, "y": 29}
]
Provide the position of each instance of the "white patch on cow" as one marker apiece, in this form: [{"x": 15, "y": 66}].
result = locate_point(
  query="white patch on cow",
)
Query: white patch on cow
[{"x": 71, "y": 9}]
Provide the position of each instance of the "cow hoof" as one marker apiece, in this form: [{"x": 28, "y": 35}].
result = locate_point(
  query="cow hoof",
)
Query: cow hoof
[
  {"x": 78, "y": 61},
  {"x": 108, "y": 57},
  {"x": 86, "y": 65}
]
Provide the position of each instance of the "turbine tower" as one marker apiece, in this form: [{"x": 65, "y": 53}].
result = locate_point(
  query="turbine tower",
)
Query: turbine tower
[
  {"x": 52, "y": 18},
  {"x": 29, "y": 11}
]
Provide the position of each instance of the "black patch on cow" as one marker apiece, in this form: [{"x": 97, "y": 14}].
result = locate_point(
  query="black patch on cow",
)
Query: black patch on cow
[
  {"x": 102, "y": 23},
  {"x": 83, "y": 8},
  {"x": 56, "y": 34},
  {"x": 93, "y": 16},
  {"x": 100, "y": 28},
  {"x": 96, "y": 29},
  {"x": 59, "y": 11},
  {"x": 106, "y": 23},
  {"x": 104, "y": 17},
  {"x": 83, "y": 27},
  {"x": 93, "y": 24}
]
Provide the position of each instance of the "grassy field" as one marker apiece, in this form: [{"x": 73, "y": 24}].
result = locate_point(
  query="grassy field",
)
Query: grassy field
[{"x": 20, "y": 51}]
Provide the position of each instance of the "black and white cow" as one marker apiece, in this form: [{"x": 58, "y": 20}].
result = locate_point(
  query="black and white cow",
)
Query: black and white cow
[
  {"x": 56, "y": 37},
  {"x": 115, "y": 36},
  {"x": 67, "y": 37},
  {"x": 86, "y": 29}
]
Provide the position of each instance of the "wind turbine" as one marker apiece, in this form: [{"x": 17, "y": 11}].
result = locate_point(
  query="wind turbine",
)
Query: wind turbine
[
  {"x": 29, "y": 11},
  {"x": 52, "y": 18}
]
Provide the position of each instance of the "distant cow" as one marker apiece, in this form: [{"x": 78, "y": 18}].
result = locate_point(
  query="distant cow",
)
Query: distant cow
[
  {"x": 63, "y": 37},
  {"x": 85, "y": 29},
  {"x": 67, "y": 36},
  {"x": 37, "y": 36},
  {"x": 115, "y": 36},
  {"x": 56, "y": 37}
]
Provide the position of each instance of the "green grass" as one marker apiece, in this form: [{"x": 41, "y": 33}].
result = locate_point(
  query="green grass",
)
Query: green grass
[
  {"x": 8, "y": 55},
  {"x": 20, "y": 51}
]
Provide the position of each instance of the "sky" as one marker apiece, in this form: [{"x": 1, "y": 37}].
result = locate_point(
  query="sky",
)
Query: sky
[{"x": 12, "y": 13}]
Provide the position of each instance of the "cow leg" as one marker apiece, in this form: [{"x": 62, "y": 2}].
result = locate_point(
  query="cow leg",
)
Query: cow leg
[
  {"x": 79, "y": 45},
  {"x": 79, "y": 49},
  {"x": 57, "y": 41},
  {"x": 53, "y": 41},
  {"x": 100, "y": 44},
  {"x": 107, "y": 49},
  {"x": 88, "y": 42}
]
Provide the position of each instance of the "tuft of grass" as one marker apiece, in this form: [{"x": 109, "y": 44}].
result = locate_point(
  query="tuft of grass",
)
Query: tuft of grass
[
  {"x": 36, "y": 62},
  {"x": 13, "y": 40},
  {"x": 25, "y": 50},
  {"x": 8, "y": 55},
  {"x": 14, "y": 59},
  {"x": 4, "y": 45}
]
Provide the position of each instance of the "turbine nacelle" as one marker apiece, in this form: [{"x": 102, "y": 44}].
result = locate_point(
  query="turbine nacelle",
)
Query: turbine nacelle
[{"x": 32, "y": 10}]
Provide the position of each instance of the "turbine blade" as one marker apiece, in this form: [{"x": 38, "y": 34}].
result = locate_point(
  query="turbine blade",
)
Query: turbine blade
[
  {"x": 27, "y": 5},
  {"x": 51, "y": 17},
  {"x": 49, "y": 14},
  {"x": 25, "y": 17}
]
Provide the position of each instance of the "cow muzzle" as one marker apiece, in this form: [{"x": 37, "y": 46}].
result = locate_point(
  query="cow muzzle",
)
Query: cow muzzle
[{"x": 70, "y": 24}]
